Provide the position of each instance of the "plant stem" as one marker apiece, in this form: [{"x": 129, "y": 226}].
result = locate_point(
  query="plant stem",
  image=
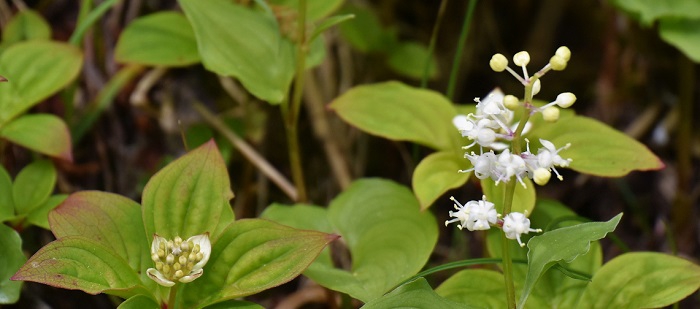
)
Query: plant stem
[
  {"x": 172, "y": 297},
  {"x": 292, "y": 112},
  {"x": 431, "y": 45},
  {"x": 460, "y": 47}
]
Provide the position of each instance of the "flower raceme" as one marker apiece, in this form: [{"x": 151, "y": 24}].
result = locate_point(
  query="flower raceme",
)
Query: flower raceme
[{"x": 177, "y": 259}]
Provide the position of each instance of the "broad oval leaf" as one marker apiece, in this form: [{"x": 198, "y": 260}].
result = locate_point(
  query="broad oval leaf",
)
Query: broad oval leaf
[
  {"x": 253, "y": 255},
  {"x": 43, "y": 133},
  {"x": 480, "y": 288},
  {"x": 409, "y": 59},
  {"x": 366, "y": 32},
  {"x": 415, "y": 294},
  {"x": 109, "y": 219},
  {"x": 12, "y": 259},
  {"x": 436, "y": 174},
  {"x": 35, "y": 70},
  {"x": 160, "y": 39},
  {"x": 189, "y": 196},
  {"x": 641, "y": 280},
  {"x": 26, "y": 25},
  {"x": 33, "y": 185},
  {"x": 564, "y": 244},
  {"x": 78, "y": 263},
  {"x": 234, "y": 304},
  {"x": 234, "y": 40},
  {"x": 7, "y": 205},
  {"x": 139, "y": 302},
  {"x": 684, "y": 34},
  {"x": 524, "y": 198},
  {"x": 399, "y": 112},
  {"x": 648, "y": 11},
  {"x": 596, "y": 148}
]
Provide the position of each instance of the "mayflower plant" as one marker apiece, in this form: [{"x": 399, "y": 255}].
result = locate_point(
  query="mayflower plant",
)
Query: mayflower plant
[{"x": 180, "y": 249}]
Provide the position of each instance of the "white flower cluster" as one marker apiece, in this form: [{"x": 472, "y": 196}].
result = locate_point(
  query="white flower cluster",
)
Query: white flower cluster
[{"x": 481, "y": 215}]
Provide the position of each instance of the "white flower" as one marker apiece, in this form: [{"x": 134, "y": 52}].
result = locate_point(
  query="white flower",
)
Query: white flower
[
  {"x": 475, "y": 215},
  {"x": 483, "y": 164},
  {"x": 178, "y": 260},
  {"x": 548, "y": 157},
  {"x": 509, "y": 165},
  {"x": 516, "y": 224}
]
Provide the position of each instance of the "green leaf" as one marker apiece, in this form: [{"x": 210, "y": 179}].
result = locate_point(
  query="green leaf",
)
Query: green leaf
[
  {"x": 237, "y": 41},
  {"x": 415, "y": 294},
  {"x": 43, "y": 133},
  {"x": 329, "y": 22},
  {"x": 409, "y": 59},
  {"x": 237, "y": 304},
  {"x": 682, "y": 33},
  {"x": 398, "y": 112},
  {"x": 26, "y": 25},
  {"x": 299, "y": 216},
  {"x": 641, "y": 280},
  {"x": 12, "y": 259},
  {"x": 366, "y": 33},
  {"x": 7, "y": 205},
  {"x": 35, "y": 70},
  {"x": 389, "y": 239},
  {"x": 523, "y": 198},
  {"x": 315, "y": 9},
  {"x": 40, "y": 215},
  {"x": 596, "y": 148},
  {"x": 33, "y": 185},
  {"x": 189, "y": 196},
  {"x": 139, "y": 302},
  {"x": 564, "y": 244},
  {"x": 649, "y": 10},
  {"x": 78, "y": 263},
  {"x": 109, "y": 219},
  {"x": 160, "y": 39},
  {"x": 436, "y": 174},
  {"x": 253, "y": 255},
  {"x": 472, "y": 286}
]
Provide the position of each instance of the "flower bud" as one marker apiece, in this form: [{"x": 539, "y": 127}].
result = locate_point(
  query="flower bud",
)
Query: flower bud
[
  {"x": 521, "y": 59},
  {"x": 565, "y": 99},
  {"x": 563, "y": 52},
  {"x": 536, "y": 87},
  {"x": 511, "y": 102},
  {"x": 557, "y": 63},
  {"x": 498, "y": 62},
  {"x": 550, "y": 114},
  {"x": 542, "y": 176}
]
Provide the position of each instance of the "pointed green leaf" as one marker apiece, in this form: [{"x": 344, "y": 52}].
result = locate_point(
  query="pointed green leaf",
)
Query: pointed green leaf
[
  {"x": 315, "y": 9},
  {"x": 253, "y": 255},
  {"x": 33, "y": 185},
  {"x": 481, "y": 288},
  {"x": 43, "y": 133},
  {"x": 682, "y": 33},
  {"x": 596, "y": 148},
  {"x": 11, "y": 259},
  {"x": 329, "y": 22},
  {"x": 642, "y": 280},
  {"x": 564, "y": 244},
  {"x": 26, "y": 25},
  {"x": 415, "y": 294},
  {"x": 398, "y": 112},
  {"x": 7, "y": 205},
  {"x": 189, "y": 196},
  {"x": 109, "y": 219},
  {"x": 436, "y": 174},
  {"x": 78, "y": 263},
  {"x": 365, "y": 32},
  {"x": 408, "y": 58},
  {"x": 649, "y": 10},
  {"x": 234, "y": 40},
  {"x": 35, "y": 70},
  {"x": 160, "y": 39},
  {"x": 523, "y": 198},
  {"x": 139, "y": 302},
  {"x": 40, "y": 215}
]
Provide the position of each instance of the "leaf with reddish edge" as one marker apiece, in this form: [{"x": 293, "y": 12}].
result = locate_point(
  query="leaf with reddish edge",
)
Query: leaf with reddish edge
[
  {"x": 253, "y": 255},
  {"x": 189, "y": 196},
  {"x": 43, "y": 133},
  {"x": 109, "y": 219},
  {"x": 78, "y": 263}
]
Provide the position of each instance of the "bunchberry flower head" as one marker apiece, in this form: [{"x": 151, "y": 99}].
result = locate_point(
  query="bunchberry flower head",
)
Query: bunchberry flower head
[
  {"x": 498, "y": 62},
  {"x": 550, "y": 114},
  {"x": 474, "y": 215},
  {"x": 178, "y": 260},
  {"x": 516, "y": 224},
  {"x": 565, "y": 99}
]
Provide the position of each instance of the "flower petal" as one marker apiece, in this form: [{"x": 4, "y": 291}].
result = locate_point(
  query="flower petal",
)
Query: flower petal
[
  {"x": 204, "y": 246},
  {"x": 157, "y": 240},
  {"x": 158, "y": 277},
  {"x": 193, "y": 275}
]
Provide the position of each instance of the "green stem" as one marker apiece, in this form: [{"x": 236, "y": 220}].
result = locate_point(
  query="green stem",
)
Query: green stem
[
  {"x": 460, "y": 47},
  {"x": 86, "y": 21},
  {"x": 172, "y": 297},
  {"x": 431, "y": 45},
  {"x": 292, "y": 112}
]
